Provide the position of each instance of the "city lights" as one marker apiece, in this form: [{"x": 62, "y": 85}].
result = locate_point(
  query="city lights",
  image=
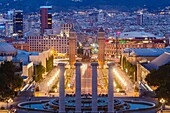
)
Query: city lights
[
  {"x": 119, "y": 77},
  {"x": 49, "y": 83},
  {"x": 102, "y": 56}
]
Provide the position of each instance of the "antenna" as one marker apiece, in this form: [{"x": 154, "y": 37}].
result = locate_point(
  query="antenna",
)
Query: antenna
[{"x": 46, "y": 2}]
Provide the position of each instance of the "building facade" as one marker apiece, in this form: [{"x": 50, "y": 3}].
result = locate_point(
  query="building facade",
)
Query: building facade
[
  {"x": 42, "y": 43},
  {"x": 110, "y": 49},
  {"x": 45, "y": 18},
  {"x": 18, "y": 23},
  {"x": 65, "y": 28},
  {"x": 21, "y": 45},
  {"x": 140, "y": 19}
]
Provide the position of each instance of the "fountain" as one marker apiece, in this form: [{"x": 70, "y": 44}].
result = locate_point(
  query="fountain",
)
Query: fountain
[{"x": 87, "y": 102}]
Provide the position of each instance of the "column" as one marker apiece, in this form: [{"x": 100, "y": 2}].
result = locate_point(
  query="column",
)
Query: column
[
  {"x": 61, "y": 88},
  {"x": 78, "y": 87},
  {"x": 110, "y": 88},
  {"x": 94, "y": 87}
]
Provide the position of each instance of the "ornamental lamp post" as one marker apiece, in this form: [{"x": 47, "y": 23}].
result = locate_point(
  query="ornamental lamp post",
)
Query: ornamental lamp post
[{"x": 162, "y": 101}]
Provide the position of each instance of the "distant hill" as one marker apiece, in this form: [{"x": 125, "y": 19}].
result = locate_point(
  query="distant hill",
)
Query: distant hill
[{"x": 33, "y": 5}]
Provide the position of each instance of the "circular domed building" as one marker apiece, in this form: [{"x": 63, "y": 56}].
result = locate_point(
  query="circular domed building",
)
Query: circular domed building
[{"x": 7, "y": 49}]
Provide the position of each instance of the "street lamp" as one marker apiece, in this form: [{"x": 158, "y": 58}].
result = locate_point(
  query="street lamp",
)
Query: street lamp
[
  {"x": 69, "y": 86},
  {"x": 9, "y": 101},
  {"x": 118, "y": 90},
  {"x": 126, "y": 70},
  {"x": 48, "y": 84},
  {"x": 162, "y": 101}
]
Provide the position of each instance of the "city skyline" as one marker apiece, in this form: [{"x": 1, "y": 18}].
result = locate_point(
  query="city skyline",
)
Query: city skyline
[{"x": 32, "y": 6}]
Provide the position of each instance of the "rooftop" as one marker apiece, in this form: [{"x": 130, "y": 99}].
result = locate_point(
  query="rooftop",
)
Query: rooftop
[
  {"x": 135, "y": 34},
  {"x": 157, "y": 62},
  {"x": 146, "y": 52},
  {"x": 48, "y": 7},
  {"x": 24, "y": 56},
  {"x": 5, "y": 47}
]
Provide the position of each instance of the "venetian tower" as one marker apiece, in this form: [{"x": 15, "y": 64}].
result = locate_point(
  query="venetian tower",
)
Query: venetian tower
[
  {"x": 72, "y": 47},
  {"x": 101, "y": 43}
]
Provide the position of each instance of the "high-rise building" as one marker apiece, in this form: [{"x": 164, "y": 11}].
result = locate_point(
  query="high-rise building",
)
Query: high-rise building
[
  {"x": 45, "y": 18},
  {"x": 9, "y": 28},
  {"x": 10, "y": 15},
  {"x": 140, "y": 19},
  {"x": 101, "y": 17},
  {"x": 18, "y": 23}
]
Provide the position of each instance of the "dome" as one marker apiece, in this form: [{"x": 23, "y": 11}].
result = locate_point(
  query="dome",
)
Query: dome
[
  {"x": 7, "y": 49},
  {"x": 135, "y": 34}
]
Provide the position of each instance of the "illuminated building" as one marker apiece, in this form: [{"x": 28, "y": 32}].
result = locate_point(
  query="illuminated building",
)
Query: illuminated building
[
  {"x": 45, "y": 18},
  {"x": 132, "y": 40},
  {"x": 140, "y": 19},
  {"x": 65, "y": 28},
  {"x": 18, "y": 23},
  {"x": 9, "y": 28},
  {"x": 143, "y": 69},
  {"x": 21, "y": 45},
  {"x": 42, "y": 43}
]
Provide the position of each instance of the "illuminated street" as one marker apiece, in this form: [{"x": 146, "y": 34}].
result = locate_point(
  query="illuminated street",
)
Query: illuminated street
[
  {"x": 123, "y": 80},
  {"x": 49, "y": 81},
  {"x": 86, "y": 79}
]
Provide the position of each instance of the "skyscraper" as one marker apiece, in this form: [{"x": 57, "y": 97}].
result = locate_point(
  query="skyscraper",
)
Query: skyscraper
[
  {"x": 10, "y": 15},
  {"x": 45, "y": 18},
  {"x": 18, "y": 23},
  {"x": 140, "y": 19}
]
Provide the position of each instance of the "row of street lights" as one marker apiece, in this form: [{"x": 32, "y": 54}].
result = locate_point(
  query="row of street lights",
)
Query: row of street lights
[{"x": 52, "y": 80}]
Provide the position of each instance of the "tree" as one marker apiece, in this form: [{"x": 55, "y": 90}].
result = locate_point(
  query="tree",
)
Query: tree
[
  {"x": 49, "y": 64},
  {"x": 39, "y": 70},
  {"x": 160, "y": 79},
  {"x": 132, "y": 69},
  {"x": 9, "y": 81}
]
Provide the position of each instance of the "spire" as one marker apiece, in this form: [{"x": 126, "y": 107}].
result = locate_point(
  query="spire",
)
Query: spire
[{"x": 101, "y": 29}]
